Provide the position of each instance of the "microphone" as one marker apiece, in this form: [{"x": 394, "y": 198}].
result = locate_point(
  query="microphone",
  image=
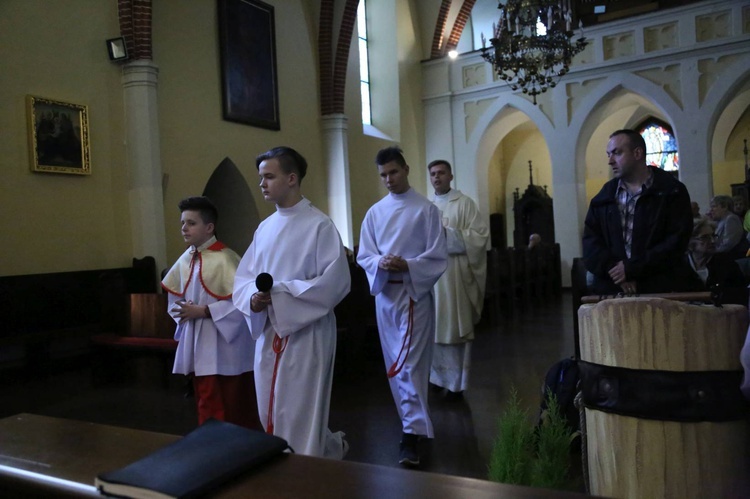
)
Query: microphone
[{"x": 264, "y": 282}]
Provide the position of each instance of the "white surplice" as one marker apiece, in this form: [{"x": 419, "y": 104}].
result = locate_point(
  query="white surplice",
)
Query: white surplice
[
  {"x": 459, "y": 293},
  {"x": 218, "y": 345},
  {"x": 302, "y": 250},
  {"x": 407, "y": 225}
]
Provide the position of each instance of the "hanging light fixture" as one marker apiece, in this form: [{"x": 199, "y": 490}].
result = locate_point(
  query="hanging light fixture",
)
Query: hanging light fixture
[{"x": 532, "y": 44}]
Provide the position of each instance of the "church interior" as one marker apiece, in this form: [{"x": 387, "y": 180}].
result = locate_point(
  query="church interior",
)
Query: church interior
[{"x": 159, "y": 117}]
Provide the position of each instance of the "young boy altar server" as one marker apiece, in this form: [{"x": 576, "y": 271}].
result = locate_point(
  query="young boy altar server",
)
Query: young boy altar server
[{"x": 214, "y": 342}]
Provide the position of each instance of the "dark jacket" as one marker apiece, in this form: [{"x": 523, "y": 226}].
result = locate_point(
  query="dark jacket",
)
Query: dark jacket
[{"x": 662, "y": 225}]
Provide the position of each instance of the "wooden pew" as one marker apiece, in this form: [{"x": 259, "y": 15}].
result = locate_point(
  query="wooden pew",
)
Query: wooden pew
[
  {"x": 48, "y": 318},
  {"x": 506, "y": 280},
  {"x": 355, "y": 319},
  {"x": 150, "y": 330}
]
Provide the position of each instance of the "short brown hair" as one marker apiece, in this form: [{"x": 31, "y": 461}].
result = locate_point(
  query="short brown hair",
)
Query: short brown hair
[{"x": 440, "y": 162}]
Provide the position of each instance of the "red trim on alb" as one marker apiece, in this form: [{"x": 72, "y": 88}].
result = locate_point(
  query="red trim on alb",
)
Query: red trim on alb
[
  {"x": 279, "y": 345},
  {"x": 396, "y": 368}
]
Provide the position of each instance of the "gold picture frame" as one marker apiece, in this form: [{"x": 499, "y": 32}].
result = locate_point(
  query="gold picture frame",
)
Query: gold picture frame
[{"x": 58, "y": 136}]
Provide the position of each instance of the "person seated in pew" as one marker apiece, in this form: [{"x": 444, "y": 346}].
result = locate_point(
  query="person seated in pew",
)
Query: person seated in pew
[
  {"x": 730, "y": 236},
  {"x": 534, "y": 241},
  {"x": 214, "y": 341},
  {"x": 711, "y": 269}
]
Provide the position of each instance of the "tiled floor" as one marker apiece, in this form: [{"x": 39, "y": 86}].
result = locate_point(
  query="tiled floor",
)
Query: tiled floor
[{"x": 515, "y": 353}]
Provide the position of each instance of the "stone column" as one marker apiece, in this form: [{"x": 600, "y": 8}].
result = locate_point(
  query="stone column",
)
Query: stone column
[
  {"x": 139, "y": 81},
  {"x": 336, "y": 158}
]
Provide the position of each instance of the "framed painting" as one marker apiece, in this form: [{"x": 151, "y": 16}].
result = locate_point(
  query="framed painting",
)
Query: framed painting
[
  {"x": 247, "y": 42},
  {"x": 58, "y": 136}
]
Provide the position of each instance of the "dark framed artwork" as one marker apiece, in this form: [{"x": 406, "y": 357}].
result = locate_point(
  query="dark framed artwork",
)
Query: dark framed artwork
[
  {"x": 58, "y": 136},
  {"x": 247, "y": 42}
]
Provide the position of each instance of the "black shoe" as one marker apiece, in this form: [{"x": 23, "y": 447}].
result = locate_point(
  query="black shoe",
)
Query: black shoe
[{"x": 408, "y": 452}]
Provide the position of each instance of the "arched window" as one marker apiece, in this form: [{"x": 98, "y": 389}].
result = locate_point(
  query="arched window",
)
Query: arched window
[
  {"x": 660, "y": 144},
  {"x": 364, "y": 63}
]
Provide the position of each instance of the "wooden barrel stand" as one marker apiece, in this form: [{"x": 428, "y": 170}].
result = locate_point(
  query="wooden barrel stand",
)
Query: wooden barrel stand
[{"x": 636, "y": 457}]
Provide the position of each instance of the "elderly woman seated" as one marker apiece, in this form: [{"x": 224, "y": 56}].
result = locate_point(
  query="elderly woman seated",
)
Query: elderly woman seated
[
  {"x": 730, "y": 236},
  {"x": 712, "y": 270}
]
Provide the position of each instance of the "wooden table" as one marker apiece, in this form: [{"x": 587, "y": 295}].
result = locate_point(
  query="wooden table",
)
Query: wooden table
[{"x": 75, "y": 452}]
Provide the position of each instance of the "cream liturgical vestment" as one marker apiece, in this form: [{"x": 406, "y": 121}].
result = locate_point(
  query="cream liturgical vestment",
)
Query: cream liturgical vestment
[
  {"x": 459, "y": 294},
  {"x": 407, "y": 225},
  {"x": 219, "y": 345},
  {"x": 302, "y": 250}
]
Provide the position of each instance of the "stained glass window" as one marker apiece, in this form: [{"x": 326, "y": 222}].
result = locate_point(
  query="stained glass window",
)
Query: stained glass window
[{"x": 660, "y": 144}]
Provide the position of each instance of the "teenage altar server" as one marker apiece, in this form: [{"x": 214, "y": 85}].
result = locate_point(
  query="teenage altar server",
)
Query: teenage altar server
[
  {"x": 403, "y": 251},
  {"x": 294, "y": 322},
  {"x": 214, "y": 342},
  {"x": 459, "y": 293}
]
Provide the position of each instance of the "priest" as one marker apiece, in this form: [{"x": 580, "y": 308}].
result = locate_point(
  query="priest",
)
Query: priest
[
  {"x": 293, "y": 322},
  {"x": 459, "y": 293},
  {"x": 402, "y": 250}
]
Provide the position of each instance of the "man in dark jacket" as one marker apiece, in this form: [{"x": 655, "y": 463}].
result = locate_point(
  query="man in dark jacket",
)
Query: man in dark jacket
[{"x": 638, "y": 226}]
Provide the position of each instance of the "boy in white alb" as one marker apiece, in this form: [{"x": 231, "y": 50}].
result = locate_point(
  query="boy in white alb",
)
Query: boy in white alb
[
  {"x": 403, "y": 250},
  {"x": 294, "y": 322}
]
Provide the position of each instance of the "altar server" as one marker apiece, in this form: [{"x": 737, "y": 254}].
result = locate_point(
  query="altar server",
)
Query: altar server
[
  {"x": 294, "y": 322},
  {"x": 403, "y": 251},
  {"x": 214, "y": 342}
]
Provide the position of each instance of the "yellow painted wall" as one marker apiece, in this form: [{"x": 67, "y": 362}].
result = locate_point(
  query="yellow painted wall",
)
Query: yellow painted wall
[
  {"x": 56, "y": 50},
  {"x": 519, "y": 147},
  {"x": 732, "y": 170},
  {"x": 404, "y": 75},
  {"x": 55, "y": 222},
  {"x": 194, "y": 136},
  {"x": 496, "y": 182}
]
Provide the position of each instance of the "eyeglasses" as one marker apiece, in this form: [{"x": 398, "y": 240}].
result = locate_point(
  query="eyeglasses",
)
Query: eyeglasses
[{"x": 706, "y": 238}]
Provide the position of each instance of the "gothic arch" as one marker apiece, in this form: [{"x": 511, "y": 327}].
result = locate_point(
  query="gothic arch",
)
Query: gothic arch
[
  {"x": 726, "y": 121},
  {"x": 727, "y": 99},
  {"x": 584, "y": 121},
  {"x": 505, "y": 114},
  {"x": 645, "y": 89}
]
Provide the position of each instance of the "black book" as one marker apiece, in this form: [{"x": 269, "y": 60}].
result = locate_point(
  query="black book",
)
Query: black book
[{"x": 201, "y": 461}]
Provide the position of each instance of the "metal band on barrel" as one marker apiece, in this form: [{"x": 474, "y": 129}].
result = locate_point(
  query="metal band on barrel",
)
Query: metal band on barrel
[{"x": 685, "y": 396}]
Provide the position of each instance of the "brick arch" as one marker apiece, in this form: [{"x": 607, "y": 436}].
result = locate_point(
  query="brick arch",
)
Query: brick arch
[
  {"x": 325, "y": 56},
  {"x": 332, "y": 64},
  {"x": 342, "y": 54},
  {"x": 460, "y": 24},
  {"x": 442, "y": 21},
  {"x": 135, "y": 26}
]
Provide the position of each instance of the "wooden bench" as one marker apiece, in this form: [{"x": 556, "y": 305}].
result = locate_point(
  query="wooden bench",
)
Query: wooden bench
[
  {"x": 49, "y": 318},
  {"x": 150, "y": 330},
  {"x": 355, "y": 320},
  {"x": 518, "y": 279}
]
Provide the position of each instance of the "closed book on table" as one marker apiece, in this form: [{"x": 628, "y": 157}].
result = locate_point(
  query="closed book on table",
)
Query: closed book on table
[{"x": 201, "y": 461}]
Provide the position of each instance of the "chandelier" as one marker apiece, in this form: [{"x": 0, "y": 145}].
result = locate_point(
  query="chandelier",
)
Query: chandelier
[{"x": 532, "y": 44}]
